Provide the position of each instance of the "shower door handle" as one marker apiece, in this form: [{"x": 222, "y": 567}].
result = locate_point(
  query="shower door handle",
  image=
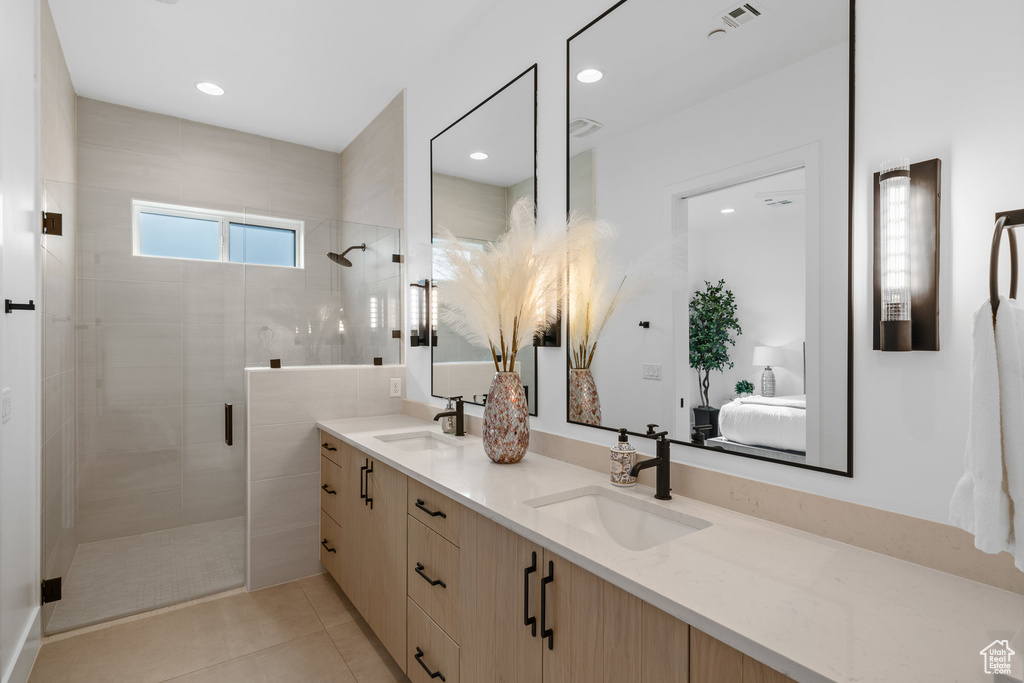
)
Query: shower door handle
[{"x": 227, "y": 424}]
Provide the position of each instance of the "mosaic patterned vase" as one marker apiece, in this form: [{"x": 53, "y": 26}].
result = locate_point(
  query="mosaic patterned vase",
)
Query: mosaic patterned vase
[
  {"x": 584, "y": 403},
  {"x": 506, "y": 419}
]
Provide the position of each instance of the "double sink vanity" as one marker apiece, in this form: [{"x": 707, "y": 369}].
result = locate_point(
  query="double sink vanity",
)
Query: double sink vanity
[{"x": 543, "y": 571}]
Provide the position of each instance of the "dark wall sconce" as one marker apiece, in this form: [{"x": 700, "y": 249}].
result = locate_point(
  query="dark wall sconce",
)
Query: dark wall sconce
[
  {"x": 906, "y": 256},
  {"x": 423, "y": 313}
]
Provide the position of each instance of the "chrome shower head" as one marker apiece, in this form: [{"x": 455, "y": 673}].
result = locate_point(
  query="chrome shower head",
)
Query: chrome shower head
[{"x": 340, "y": 258}]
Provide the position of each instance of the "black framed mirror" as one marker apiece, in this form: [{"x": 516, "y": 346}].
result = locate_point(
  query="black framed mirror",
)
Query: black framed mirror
[
  {"x": 725, "y": 144},
  {"x": 480, "y": 166}
]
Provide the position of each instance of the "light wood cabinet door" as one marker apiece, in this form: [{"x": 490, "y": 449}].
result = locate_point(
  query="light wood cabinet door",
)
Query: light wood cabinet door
[
  {"x": 595, "y": 627},
  {"x": 431, "y": 652},
  {"x": 666, "y": 647},
  {"x": 382, "y": 560},
  {"x": 497, "y": 593},
  {"x": 433, "y": 576},
  {"x": 330, "y": 542},
  {"x": 332, "y": 478},
  {"x": 355, "y": 516},
  {"x": 435, "y": 510},
  {"x": 712, "y": 661}
]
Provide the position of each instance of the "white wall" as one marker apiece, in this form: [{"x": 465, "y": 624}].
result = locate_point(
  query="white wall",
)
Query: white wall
[
  {"x": 954, "y": 99},
  {"x": 19, "y": 335}
]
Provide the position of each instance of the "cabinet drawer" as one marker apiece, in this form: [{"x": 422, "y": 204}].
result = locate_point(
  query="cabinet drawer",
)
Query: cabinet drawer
[
  {"x": 430, "y": 650},
  {"x": 434, "y": 576},
  {"x": 331, "y": 488},
  {"x": 330, "y": 545},
  {"x": 330, "y": 447},
  {"x": 438, "y": 512}
]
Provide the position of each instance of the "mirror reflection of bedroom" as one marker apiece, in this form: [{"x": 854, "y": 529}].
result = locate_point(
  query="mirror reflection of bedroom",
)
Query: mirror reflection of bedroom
[{"x": 747, "y": 315}]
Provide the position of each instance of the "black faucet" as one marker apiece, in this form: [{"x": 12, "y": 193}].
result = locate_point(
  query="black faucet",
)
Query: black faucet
[
  {"x": 661, "y": 461},
  {"x": 459, "y": 414}
]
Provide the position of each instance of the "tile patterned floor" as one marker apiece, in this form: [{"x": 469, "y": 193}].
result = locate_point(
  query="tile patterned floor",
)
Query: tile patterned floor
[
  {"x": 302, "y": 631},
  {"x": 115, "y": 578}
]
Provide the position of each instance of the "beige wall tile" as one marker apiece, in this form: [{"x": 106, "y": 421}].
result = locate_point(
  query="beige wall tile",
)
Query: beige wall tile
[
  {"x": 305, "y": 164},
  {"x": 295, "y": 198},
  {"x": 213, "y": 344},
  {"x": 213, "y": 384},
  {"x": 124, "y": 474},
  {"x": 204, "y": 424},
  {"x": 129, "y": 345},
  {"x": 53, "y": 405},
  {"x": 53, "y": 515},
  {"x": 116, "y": 301},
  {"x": 206, "y": 184},
  {"x": 120, "y": 170},
  {"x": 283, "y": 450},
  {"x": 213, "y": 304},
  {"x": 285, "y": 504},
  {"x": 285, "y": 556},
  {"x": 109, "y": 257},
  {"x": 129, "y": 387},
  {"x": 53, "y": 344},
  {"x": 128, "y": 515},
  {"x": 224, "y": 148},
  {"x": 53, "y": 462},
  {"x": 121, "y": 430},
  {"x": 131, "y": 130},
  {"x": 214, "y": 482},
  {"x": 374, "y": 390},
  {"x": 213, "y": 273},
  {"x": 302, "y": 395}
]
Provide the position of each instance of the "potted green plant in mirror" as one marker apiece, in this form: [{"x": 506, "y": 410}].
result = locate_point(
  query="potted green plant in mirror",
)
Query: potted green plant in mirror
[
  {"x": 500, "y": 297},
  {"x": 712, "y": 326},
  {"x": 744, "y": 388}
]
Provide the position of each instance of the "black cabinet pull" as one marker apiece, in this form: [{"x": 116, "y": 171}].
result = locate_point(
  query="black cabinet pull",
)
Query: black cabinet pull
[
  {"x": 362, "y": 481},
  {"x": 328, "y": 491},
  {"x": 329, "y": 446},
  {"x": 324, "y": 544},
  {"x": 432, "y": 582},
  {"x": 369, "y": 471},
  {"x": 422, "y": 506},
  {"x": 432, "y": 674},
  {"x": 527, "y": 619},
  {"x": 546, "y": 632}
]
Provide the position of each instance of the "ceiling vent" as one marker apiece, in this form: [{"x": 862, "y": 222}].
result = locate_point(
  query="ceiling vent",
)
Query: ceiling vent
[
  {"x": 581, "y": 127},
  {"x": 741, "y": 15},
  {"x": 780, "y": 197}
]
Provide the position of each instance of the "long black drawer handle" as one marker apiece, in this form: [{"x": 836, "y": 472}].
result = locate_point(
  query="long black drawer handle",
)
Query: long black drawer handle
[
  {"x": 329, "y": 446},
  {"x": 369, "y": 471},
  {"x": 324, "y": 544},
  {"x": 432, "y": 582},
  {"x": 329, "y": 491},
  {"x": 546, "y": 632},
  {"x": 422, "y": 506},
  {"x": 362, "y": 480},
  {"x": 527, "y": 619},
  {"x": 432, "y": 674}
]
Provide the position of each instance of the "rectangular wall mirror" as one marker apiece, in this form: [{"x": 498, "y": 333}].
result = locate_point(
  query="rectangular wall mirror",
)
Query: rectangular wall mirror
[
  {"x": 480, "y": 166},
  {"x": 721, "y": 156}
]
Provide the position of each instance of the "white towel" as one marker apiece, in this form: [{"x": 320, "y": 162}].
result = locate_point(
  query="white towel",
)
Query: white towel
[
  {"x": 1010, "y": 355},
  {"x": 981, "y": 504}
]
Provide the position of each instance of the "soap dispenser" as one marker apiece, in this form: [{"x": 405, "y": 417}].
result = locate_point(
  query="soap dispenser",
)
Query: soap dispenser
[
  {"x": 448, "y": 423},
  {"x": 623, "y": 459}
]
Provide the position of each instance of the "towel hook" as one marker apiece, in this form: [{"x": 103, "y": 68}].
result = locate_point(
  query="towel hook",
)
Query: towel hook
[{"x": 993, "y": 270}]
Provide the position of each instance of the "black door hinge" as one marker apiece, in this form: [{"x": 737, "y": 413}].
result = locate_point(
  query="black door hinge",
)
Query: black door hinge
[
  {"x": 51, "y": 590},
  {"x": 52, "y": 223}
]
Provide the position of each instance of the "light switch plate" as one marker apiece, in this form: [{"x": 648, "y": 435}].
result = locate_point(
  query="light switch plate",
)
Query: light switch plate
[
  {"x": 395, "y": 387},
  {"x": 652, "y": 371},
  {"x": 6, "y": 409}
]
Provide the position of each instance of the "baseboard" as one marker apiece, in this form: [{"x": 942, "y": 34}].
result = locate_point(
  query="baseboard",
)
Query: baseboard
[{"x": 31, "y": 640}]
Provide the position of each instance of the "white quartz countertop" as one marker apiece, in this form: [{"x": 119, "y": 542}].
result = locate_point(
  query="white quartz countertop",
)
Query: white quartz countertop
[{"x": 812, "y": 608}]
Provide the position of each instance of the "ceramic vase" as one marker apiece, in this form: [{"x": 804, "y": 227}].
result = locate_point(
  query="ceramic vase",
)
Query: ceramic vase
[
  {"x": 584, "y": 403},
  {"x": 506, "y": 419}
]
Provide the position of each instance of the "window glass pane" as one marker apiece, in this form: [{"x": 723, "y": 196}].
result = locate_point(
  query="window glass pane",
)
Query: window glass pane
[
  {"x": 258, "y": 244},
  {"x": 179, "y": 237}
]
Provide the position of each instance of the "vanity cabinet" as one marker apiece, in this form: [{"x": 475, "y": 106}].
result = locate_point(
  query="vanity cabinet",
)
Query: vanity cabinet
[
  {"x": 368, "y": 511},
  {"x": 712, "y": 661}
]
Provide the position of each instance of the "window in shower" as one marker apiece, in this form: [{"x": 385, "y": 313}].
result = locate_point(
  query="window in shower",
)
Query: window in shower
[{"x": 170, "y": 231}]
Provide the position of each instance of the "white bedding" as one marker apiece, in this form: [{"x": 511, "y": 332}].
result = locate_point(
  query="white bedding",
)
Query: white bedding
[{"x": 778, "y": 422}]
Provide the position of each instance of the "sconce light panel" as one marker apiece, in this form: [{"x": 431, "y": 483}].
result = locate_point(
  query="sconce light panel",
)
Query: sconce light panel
[
  {"x": 419, "y": 312},
  {"x": 922, "y": 204}
]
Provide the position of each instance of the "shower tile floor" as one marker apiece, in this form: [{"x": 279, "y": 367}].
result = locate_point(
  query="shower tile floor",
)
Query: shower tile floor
[{"x": 122, "y": 576}]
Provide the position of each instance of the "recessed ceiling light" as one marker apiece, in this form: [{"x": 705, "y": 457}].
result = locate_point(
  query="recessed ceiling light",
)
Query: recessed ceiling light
[
  {"x": 728, "y": 210},
  {"x": 589, "y": 76},
  {"x": 479, "y": 156},
  {"x": 210, "y": 88},
  {"x": 717, "y": 34}
]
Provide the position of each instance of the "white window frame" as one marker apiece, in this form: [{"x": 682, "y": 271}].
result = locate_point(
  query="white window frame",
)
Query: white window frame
[{"x": 224, "y": 219}]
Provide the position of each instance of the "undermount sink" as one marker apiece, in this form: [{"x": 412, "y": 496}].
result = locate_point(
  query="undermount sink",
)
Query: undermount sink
[
  {"x": 420, "y": 441},
  {"x": 632, "y": 523}
]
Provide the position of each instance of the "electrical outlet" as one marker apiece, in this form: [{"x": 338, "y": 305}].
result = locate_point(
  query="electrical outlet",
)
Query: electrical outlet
[
  {"x": 395, "y": 387},
  {"x": 6, "y": 409},
  {"x": 652, "y": 371}
]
